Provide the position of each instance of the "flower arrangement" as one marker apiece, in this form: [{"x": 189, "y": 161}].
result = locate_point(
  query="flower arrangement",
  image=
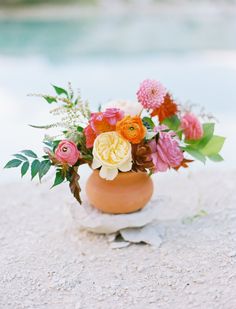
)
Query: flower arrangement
[{"x": 152, "y": 135}]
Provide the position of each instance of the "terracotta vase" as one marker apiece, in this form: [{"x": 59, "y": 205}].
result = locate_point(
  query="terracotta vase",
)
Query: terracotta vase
[{"x": 127, "y": 193}]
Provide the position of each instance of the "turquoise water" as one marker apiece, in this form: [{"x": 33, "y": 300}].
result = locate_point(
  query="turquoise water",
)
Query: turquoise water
[
  {"x": 195, "y": 57},
  {"x": 118, "y": 36}
]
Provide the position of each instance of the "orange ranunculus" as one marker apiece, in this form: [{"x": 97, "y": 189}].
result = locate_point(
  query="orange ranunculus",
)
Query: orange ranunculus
[
  {"x": 167, "y": 109},
  {"x": 132, "y": 129}
]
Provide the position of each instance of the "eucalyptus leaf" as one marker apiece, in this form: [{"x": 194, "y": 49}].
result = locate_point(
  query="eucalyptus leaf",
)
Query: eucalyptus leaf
[
  {"x": 13, "y": 163},
  {"x": 24, "y": 168}
]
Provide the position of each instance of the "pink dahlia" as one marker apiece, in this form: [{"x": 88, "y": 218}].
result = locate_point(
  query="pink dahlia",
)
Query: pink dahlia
[
  {"x": 151, "y": 94},
  {"x": 67, "y": 152},
  {"x": 166, "y": 152},
  {"x": 191, "y": 126}
]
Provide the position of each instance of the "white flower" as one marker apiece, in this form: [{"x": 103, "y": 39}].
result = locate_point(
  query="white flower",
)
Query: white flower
[
  {"x": 129, "y": 107},
  {"x": 112, "y": 153}
]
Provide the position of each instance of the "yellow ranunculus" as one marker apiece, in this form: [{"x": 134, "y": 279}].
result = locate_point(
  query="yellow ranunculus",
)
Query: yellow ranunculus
[{"x": 112, "y": 153}]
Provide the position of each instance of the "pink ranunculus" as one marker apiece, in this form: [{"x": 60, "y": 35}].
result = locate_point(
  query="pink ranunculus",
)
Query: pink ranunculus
[
  {"x": 113, "y": 115},
  {"x": 67, "y": 152},
  {"x": 90, "y": 136},
  {"x": 166, "y": 153},
  {"x": 191, "y": 126},
  {"x": 151, "y": 94}
]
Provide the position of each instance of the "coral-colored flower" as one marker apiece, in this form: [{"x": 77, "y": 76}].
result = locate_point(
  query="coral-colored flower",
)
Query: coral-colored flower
[
  {"x": 166, "y": 152},
  {"x": 90, "y": 136},
  {"x": 102, "y": 122},
  {"x": 113, "y": 115},
  {"x": 67, "y": 152},
  {"x": 151, "y": 94},
  {"x": 132, "y": 129},
  {"x": 112, "y": 153},
  {"x": 191, "y": 126},
  {"x": 167, "y": 109}
]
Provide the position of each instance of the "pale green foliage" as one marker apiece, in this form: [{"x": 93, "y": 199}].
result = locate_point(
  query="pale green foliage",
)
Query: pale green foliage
[{"x": 73, "y": 112}]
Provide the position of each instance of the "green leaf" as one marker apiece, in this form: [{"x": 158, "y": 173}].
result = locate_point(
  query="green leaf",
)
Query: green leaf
[
  {"x": 208, "y": 131},
  {"x": 24, "y": 168},
  {"x": 21, "y": 157},
  {"x": 172, "y": 123},
  {"x": 48, "y": 143},
  {"x": 214, "y": 146},
  {"x": 216, "y": 158},
  {"x": 196, "y": 154},
  {"x": 35, "y": 168},
  {"x": 148, "y": 123},
  {"x": 80, "y": 129},
  {"x": 59, "y": 178},
  {"x": 44, "y": 168},
  {"x": 49, "y": 99},
  {"x": 13, "y": 163},
  {"x": 55, "y": 144},
  {"x": 29, "y": 153},
  {"x": 60, "y": 90},
  {"x": 180, "y": 134}
]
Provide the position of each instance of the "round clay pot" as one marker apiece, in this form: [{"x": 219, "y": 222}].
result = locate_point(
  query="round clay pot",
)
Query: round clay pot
[{"x": 128, "y": 192}]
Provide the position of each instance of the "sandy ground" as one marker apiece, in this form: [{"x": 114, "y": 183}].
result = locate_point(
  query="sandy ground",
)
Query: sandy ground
[{"x": 45, "y": 262}]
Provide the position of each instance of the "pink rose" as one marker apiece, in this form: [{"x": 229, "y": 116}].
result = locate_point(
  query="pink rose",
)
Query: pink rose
[
  {"x": 113, "y": 115},
  {"x": 191, "y": 126},
  {"x": 67, "y": 152},
  {"x": 166, "y": 153}
]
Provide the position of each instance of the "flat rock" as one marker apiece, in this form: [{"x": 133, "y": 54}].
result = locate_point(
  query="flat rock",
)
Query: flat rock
[{"x": 90, "y": 219}]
